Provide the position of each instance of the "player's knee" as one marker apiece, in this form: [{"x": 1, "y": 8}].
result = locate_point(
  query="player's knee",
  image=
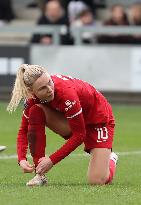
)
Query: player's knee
[{"x": 96, "y": 179}]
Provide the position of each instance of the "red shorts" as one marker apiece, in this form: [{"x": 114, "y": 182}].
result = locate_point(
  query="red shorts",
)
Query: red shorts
[{"x": 99, "y": 136}]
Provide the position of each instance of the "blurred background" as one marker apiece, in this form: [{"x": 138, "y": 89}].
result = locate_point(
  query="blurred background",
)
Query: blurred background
[{"x": 96, "y": 40}]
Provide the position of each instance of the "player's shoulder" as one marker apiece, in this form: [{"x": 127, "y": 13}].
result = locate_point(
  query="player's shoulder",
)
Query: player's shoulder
[
  {"x": 62, "y": 82},
  {"x": 62, "y": 77}
]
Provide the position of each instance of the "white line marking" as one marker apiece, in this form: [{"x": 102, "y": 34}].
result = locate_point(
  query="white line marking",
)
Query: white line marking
[{"x": 14, "y": 156}]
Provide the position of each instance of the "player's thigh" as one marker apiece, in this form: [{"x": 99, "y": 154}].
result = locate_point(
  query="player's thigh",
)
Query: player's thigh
[
  {"x": 98, "y": 169},
  {"x": 56, "y": 121}
]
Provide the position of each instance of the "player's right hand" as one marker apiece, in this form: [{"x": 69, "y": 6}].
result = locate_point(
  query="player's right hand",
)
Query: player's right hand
[{"x": 26, "y": 166}]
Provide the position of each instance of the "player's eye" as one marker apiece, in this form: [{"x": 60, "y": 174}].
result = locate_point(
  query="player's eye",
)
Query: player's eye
[{"x": 42, "y": 88}]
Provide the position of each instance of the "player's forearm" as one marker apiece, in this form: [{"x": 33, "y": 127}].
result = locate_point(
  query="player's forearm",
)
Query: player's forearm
[
  {"x": 22, "y": 142},
  {"x": 22, "y": 145},
  {"x": 67, "y": 148}
]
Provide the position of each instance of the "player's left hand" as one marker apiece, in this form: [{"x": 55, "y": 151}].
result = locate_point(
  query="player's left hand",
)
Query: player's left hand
[{"x": 45, "y": 164}]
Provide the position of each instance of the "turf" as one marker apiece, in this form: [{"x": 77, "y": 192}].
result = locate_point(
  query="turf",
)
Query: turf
[{"x": 67, "y": 182}]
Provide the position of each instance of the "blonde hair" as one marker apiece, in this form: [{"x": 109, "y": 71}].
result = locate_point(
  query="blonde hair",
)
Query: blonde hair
[{"x": 26, "y": 76}]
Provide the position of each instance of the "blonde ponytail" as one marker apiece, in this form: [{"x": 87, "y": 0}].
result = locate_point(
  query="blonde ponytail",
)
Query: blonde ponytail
[{"x": 26, "y": 76}]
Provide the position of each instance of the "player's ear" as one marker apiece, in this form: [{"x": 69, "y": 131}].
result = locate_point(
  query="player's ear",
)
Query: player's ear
[{"x": 30, "y": 90}]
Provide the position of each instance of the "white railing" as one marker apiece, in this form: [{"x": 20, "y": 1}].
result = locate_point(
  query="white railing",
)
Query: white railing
[{"x": 76, "y": 31}]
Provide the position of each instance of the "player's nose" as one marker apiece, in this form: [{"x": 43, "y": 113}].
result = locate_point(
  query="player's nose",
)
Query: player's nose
[{"x": 49, "y": 89}]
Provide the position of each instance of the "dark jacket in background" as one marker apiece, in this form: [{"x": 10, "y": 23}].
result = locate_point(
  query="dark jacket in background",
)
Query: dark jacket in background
[
  {"x": 115, "y": 39},
  {"x": 6, "y": 11},
  {"x": 64, "y": 39}
]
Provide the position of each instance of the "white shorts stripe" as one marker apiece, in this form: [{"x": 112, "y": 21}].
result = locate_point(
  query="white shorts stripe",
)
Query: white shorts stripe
[{"x": 75, "y": 114}]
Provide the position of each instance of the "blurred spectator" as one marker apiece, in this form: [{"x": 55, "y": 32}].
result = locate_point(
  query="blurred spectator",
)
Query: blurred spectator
[
  {"x": 135, "y": 18},
  {"x": 74, "y": 9},
  {"x": 53, "y": 15},
  {"x": 6, "y": 11},
  {"x": 135, "y": 14},
  {"x": 118, "y": 17},
  {"x": 93, "y": 4},
  {"x": 85, "y": 18}
]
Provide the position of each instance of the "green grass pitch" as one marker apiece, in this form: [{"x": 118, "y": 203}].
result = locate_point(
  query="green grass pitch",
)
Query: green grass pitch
[{"x": 67, "y": 181}]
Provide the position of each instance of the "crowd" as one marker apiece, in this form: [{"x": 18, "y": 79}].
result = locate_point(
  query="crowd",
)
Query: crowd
[{"x": 78, "y": 13}]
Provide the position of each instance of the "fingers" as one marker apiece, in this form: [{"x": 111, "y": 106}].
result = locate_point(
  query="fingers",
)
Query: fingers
[
  {"x": 39, "y": 168},
  {"x": 28, "y": 169},
  {"x": 40, "y": 159},
  {"x": 40, "y": 172},
  {"x": 45, "y": 164},
  {"x": 29, "y": 165},
  {"x": 26, "y": 166}
]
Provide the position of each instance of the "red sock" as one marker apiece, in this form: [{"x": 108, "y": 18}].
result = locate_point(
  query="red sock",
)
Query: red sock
[
  {"x": 112, "y": 168},
  {"x": 36, "y": 133}
]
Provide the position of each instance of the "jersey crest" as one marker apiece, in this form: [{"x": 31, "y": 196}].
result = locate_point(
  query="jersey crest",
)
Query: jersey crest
[{"x": 69, "y": 104}]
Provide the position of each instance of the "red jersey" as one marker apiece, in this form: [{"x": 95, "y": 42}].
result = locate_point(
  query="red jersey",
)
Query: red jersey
[{"x": 81, "y": 104}]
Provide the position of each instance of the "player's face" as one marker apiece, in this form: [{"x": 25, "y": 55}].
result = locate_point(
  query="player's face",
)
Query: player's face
[{"x": 43, "y": 87}]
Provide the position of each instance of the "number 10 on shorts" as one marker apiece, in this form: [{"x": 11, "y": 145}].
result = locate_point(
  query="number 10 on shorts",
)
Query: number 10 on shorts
[{"x": 102, "y": 134}]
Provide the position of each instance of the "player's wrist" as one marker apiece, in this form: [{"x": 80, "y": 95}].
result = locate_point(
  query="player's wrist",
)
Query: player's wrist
[
  {"x": 19, "y": 161},
  {"x": 53, "y": 159}
]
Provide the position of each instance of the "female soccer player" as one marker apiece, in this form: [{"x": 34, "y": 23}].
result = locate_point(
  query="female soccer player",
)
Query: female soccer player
[{"x": 71, "y": 108}]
